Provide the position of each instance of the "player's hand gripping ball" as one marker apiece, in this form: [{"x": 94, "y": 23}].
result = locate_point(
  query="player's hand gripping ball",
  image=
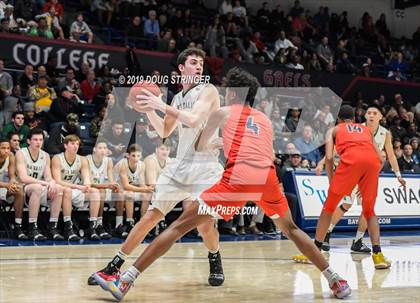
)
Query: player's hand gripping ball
[{"x": 137, "y": 92}]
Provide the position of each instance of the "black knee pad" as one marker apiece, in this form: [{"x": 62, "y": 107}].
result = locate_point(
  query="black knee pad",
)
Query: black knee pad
[{"x": 342, "y": 208}]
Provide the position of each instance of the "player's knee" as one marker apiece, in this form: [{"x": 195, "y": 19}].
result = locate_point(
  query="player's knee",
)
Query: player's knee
[
  {"x": 288, "y": 229},
  {"x": 206, "y": 229},
  {"x": 369, "y": 212},
  {"x": 67, "y": 191},
  {"x": 37, "y": 189}
]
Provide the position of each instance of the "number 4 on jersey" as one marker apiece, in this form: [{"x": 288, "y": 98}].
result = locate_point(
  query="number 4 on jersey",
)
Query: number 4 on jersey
[{"x": 252, "y": 126}]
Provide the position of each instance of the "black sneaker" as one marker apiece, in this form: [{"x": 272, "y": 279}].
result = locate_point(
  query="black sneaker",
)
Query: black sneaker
[
  {"x": 161, "y": 227},
  {"x": 91, "y": 232},
  {"x": 34, "y": 233},
  {"x": 121, "y": 231},
  {"x": 18, "y": 233},
  {"x": 216, "y": 276},
  {"x": 360, "y": 247},
  {"x": 53, "y": 233},
  {"x": 326, "y": 244},
  {"x": 69, "y": 233},
  {"x": 100, "y": 230},
  {"x": 109, "y": 273},
  {"x": 129, "y": 226}
]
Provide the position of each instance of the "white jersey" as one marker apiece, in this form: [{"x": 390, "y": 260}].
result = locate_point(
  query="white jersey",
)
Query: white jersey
[
  {"x": 35, "y": 168},
  {"x": 4, "y": 171},
  {"x": 379, "y": 137},
  {"x": 133, "y": 176},
  {"x": 187, "y": 135},
  {"x": 70, "y": 172},
  {"x": 159, "y": 168},
  {"x": 98, "y": 174}
]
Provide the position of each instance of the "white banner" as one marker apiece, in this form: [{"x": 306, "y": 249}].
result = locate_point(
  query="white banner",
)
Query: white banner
[{"x": 392, "y": 199}]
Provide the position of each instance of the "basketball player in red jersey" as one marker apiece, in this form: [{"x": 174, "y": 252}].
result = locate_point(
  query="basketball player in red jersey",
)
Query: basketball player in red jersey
[
  {"x": 360, "y": 164},
  {"x": 249, "y": 175}
]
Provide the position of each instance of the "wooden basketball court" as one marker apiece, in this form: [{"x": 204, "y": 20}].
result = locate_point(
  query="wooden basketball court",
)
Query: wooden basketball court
[{"x": 256, "y": 271}]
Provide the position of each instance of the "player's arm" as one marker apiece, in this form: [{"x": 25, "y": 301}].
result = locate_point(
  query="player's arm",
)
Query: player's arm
[
  {"x": 392, "y": 159},
  {"x": 84, "y": 171},
  {"x": 23, "y": 173},
  {"x": 217, "y": 120},
  {"x": 208, "y": 98},
  {"x": 329, "y": 152},
  {"x": 126, "y": 185},
  {"x": 11, "y": 170},
  {"x": 164, "y": 127},
  {"x": 56, "y": 174},
  {"x": 145, "y": 188}
]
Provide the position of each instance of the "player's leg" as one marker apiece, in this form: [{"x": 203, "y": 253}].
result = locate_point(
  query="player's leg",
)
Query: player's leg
[
  {"x": 68, "y": 231},
  {"x": 129, "y": 210},
  {"x": 160, "y": 245},
  {"x": 100, "y": 230},
  {"x": 18, "y": 203},
  {"x": 94, "y": 199},
  {"x": 119, "y": 218},
  {"x": 368, "y": 186},
  {"x": 358, "y": 246},
  {"x": 55, "y": 208},
  {"x": 34, "y": 191}
]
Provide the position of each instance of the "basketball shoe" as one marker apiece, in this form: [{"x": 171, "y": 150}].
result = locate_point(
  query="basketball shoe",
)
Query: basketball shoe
[
  {"x": 18, "y": 232},
  {"x": 301, "y": 258},
  {"x": 100, "y": 230},
  {"x": 53, "y": 233},
  {"x": 216, "y": 276},
  {"x": 380, "y": 261},
  {"x": 69, "y": 233},
  {"x": 360, "y": 247},
  {"x": 117, "y": 288},
  {"x": 34, "y": 234},
  {"x": 109, "y": 274},
  {"x": 339, "y": 287},
  {"x": 326, "y": 244}
]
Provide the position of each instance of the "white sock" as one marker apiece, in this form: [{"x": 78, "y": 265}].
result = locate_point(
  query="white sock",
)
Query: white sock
[
  {"x": 359, "y": 235},
  {"x": 18, "y": 221},
  {"x": 130, "y": 275},
  {"x": 94, "y": 220},
  {"x": 66, "y": 218},
  {"x": 55, "y": 220},
  {"x": 121, "y": 255},
  {"x": 33, "y": 220},
  {"x": 130, "y": 220},
  {"x": 330, "y": 229},
  {"x": 118, "y": 221},
  {"x": 214, "y": 251},
  {"x": 329, "y": 274},
  {"x": 99, "y": 222}
]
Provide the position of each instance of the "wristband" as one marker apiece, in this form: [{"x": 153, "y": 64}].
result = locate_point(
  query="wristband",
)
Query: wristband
[{"x": 398, "y": 174}]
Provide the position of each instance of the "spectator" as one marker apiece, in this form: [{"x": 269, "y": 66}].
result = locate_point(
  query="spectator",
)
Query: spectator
[
  {"x": 42, "y": 30},
  {"x": 296, "y": 10},
  {"x": 69, "y": 82},
  {"x": 80, "y": 31},
  {"x": 117, "y": 140},
  {"x": 96, "y": 123},
  {"x": 17, "y": 125},
  {"x": 42, "y": 72},
  {"x": 66, "y": 104},
  {"x": 397, "y": 76},
  {"x": 52, "y": 71},
  {"x": 305, "y": 145},
  {"x": 406, "y": 162},
  {"x": 225, "y": 7},
  {"x": 151, "y": 29},
  {"x": 25, "y": 9},
  {"x": 163, "y": 43},
  {"x": 396, "y": 130},
  {"x": 263, "y": 16},
  {"x": 327, "y": 117},
  {"x": 381, "y": 26},
  {"x": 325, "y": 54},
  {"x": 6, "y": 80},
  {"x": 314, "y": 64},
  {"x": 344, "y": 65},
  {"x": 412, "y": 131},
  {"x": 42, "y": 95},
  {"x": 90, "y": 87},
  {"x": 55, "y": 143},
  {"x": 27, "y": 79},
  {"x": 295, "y": 64},
  {"x": 53, "y": 22},
  {"x": 396, "y": 143},
  {"x": 215, "y": 44},
  {"x": 14, "y": 140},
  {"x": 397, "y": 63},
  {"x": 386, "y": 168},
  {"x": 283, "y": 43},
  {"x": 11, "y": 104},
  {"x": 58, "y": 8},
  {"x": 293, "y": 120},
  {"x": 4, "y": 26},
  {"x": 8, "y": 14},
  {"x": 277, "y": 123},
  {"x": 134, "y": 32},
  {"x": 416, "y": 151},
  {"x": 247, "y": 48},
  {"x": 142, "y": 137},
  {"x": 238, "y": 10}
]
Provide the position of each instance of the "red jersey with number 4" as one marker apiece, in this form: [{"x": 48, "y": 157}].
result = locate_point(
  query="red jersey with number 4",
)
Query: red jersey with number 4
[{"x": 353, "y": 135}]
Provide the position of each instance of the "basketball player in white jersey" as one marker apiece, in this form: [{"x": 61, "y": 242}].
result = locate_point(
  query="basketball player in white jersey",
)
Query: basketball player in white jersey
[
  {"x": 190, "y": 172},
  {"x": 33, "y": 170},
  {"x": 10, "y": 190},
  {"x": 67, "y": 169},
  {"x": 130, "y": 172},
  {"x": 383, "y": 140},
  {"x": 102, "y": 178}
]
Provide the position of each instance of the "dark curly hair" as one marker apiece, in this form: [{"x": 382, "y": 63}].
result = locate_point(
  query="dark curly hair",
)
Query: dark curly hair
[{"x": 238, "y": 77}]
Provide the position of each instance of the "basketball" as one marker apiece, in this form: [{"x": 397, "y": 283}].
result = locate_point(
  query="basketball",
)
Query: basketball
[{"x": 137, "y": 89}]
